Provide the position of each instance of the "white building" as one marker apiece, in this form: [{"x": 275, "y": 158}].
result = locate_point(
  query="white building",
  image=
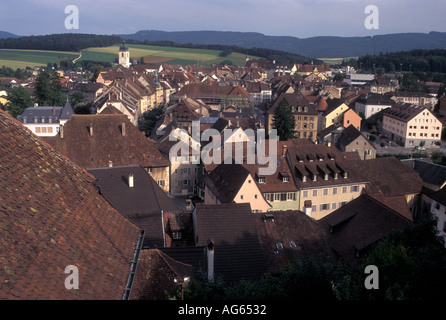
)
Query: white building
[
  {"x": 370, "y": 104},
  {"x": 45, "y": 121},
  {"x": 435, "y": 203}
]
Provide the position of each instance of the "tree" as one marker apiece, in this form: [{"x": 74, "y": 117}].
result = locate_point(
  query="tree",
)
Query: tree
[
  {"x": 284, "y": 121},
  {"x": 19, "y": 100},
  {"x": 48, "y": 89}
]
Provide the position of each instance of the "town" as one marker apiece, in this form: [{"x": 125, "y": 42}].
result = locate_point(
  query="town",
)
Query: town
[{"x": 111, "y": 176}]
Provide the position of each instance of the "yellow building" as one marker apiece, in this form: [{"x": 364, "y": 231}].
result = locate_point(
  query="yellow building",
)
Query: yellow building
[{"x": 333, "y": 112}]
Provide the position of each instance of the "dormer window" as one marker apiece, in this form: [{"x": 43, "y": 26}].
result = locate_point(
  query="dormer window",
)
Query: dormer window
[
  {"x": 314, "y": 177},
  {"x": 326, "y": 176},
  {"x": 285, "y": 179},
  {"x": 262, "y": 180}
]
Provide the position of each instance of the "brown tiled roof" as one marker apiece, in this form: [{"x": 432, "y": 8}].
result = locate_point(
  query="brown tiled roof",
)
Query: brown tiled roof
[
  {"x": 286, "y": 236},
  {"x": 51, "y": 216},
  {"x": 155, "y": 275},
  {"x": 108, "y": 143},
  {"x": 388, "y": 175},
  {"x": 305, "y": 161},
  {"x": 404, "y": 111},
  {"x": 238, "y": 254},
  {"x": 359, "y": 224}
]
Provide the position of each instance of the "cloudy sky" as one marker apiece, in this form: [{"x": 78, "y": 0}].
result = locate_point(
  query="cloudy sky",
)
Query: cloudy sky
[{"x": 299, "y": 18}]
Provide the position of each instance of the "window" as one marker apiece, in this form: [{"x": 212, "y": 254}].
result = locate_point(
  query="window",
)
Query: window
[
  {"x": 249, "y": 181},
  {"x": 325, "y": 192},
  {"x": 262, "y": 179},
  {"x": 277, "y": 197},
  {"x": 313, "y": 208},
  {"x": 37, "y": 129},
  {"x": 177, "y": 235},
  {"x": 354, "y": 189},
  {"x": 241, "y": 197},
  {"x": 293, "y": 244},
  {"x": 344, "y": 189},
  {"x": 325, "y": 206},
  {"x": 305, "y": 194},
  {"x": 335, "y": 190},
  {"x": 314, "y": 193},
  {"x": 255, "y": 196},
  {"x": 283, "y": 197},
  {"x": 50, "y": 129},
  {"x": 343, "y": 203},
  {"x": 161, "y": 183},
  {"x": 185, "y": 182},
  {"x": 291, "y": 196},
  {"x": 279, "y": 245},
  {"x": 333, "y": 205}
]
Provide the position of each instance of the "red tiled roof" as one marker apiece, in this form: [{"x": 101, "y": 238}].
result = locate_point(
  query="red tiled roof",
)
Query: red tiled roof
[
  {"x": 51, "y": 216},
  {"x": 108, "y": 143}
]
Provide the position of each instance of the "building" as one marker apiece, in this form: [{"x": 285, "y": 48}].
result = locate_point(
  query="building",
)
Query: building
[
  {"x": 305, "y": 115},
  {"x": 138, "y": 197},
  {"x": 434, "y": 202},
  {"x": 45, "y": 121},
  {"x": 124, "y": 56},
  {"x": 355, "y": 227},
  {"x": 229, "y": 183},
  {"x": 53, "y": 222},
  {"x": 418, "y": 98},
  {"x": 324, "y": 178},
  {"x": 101, "y": 141},
  {"x": 370, "y": 104},
  {"x": 411, "y": 125},
  {"x": 351, "y": 140},
  {"x": 333, "y": 113},
  {"x": 229, "y": 229},
  {"x": 351, "y": 118}
]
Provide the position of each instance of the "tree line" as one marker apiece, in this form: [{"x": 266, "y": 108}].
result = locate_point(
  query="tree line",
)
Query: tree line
[
  {"x": 428, "y": 61},
  {"x": 60, "y": 42}
]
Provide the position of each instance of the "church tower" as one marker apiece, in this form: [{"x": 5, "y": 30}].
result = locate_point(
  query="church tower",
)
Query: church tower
[{"x": 124, "y": 56}]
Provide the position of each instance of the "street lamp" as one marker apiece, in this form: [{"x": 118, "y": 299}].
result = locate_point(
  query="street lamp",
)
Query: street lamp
[{"x": 181, "y": 282}]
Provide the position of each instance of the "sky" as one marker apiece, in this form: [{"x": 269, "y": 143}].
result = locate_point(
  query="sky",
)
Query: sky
[{"x": 298, "y": 18}]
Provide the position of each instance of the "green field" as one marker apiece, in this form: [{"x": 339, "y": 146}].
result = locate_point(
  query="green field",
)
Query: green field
[
  {"x": 170, "y": 55},
  {"x": 333, "y": 61},
  {"x": 31, "y": 58},
  {"x": 152, "y": 54}
]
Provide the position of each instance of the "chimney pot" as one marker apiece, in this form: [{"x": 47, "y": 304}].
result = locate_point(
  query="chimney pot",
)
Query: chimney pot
[
  {"x": 91, "y": 129},
  {"x": 131, "y": 180},
  {"x": 210, "y": 254},
  {"x": 123, "y": 129},
  {"x": 61, "y": 131},
  {"x": 284, "y": 150}
]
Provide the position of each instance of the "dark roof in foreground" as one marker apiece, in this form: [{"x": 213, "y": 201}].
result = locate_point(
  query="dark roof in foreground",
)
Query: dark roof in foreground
[
  {"x": 143, "y": 204},
  {"x": 238, "y": 254},
  {"x": 286, "y": 236},
  {"x": 360, "y": 223},
  {"x": 51, "y": 216}
]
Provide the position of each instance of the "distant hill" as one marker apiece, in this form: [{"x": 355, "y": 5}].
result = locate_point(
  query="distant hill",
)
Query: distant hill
[
  {"x": 320, "y": 47},
  {"x": 7, "y": 35}
]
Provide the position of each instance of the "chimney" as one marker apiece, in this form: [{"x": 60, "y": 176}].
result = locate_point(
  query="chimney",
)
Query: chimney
[
  {"x": 210, "y": 254},
  {"x": 54, "y": 110},
  {"x": 131, "y": 180},
  {"x": 123, "y": 129},
  {"x": 238, "y": 122},
  {"x": 308, "y": 207},
  {"x": 110, "y": 163},
  {"x": 91, "y": 129},
  {"x": 284, "y": 150},
  {"x": 61, "y": 131}
]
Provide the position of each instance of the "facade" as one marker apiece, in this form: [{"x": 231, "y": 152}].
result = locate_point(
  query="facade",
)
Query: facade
[
  {"x": 305, "y": 115},
  {"x": 412, "y": 125},
  {"x": 435, "y": 203},
  {"x": 370, "y": 104},
  {"x": 334, "y": 112},
  {"x": 351, "y": 118},
  {"x": 45, "y": 121},
  {"x": 124, "y": 56},
  {"x": 229, "y": 183},
  {"x": 351, "y": 140},
  {"x": 324, "y": 179}
]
